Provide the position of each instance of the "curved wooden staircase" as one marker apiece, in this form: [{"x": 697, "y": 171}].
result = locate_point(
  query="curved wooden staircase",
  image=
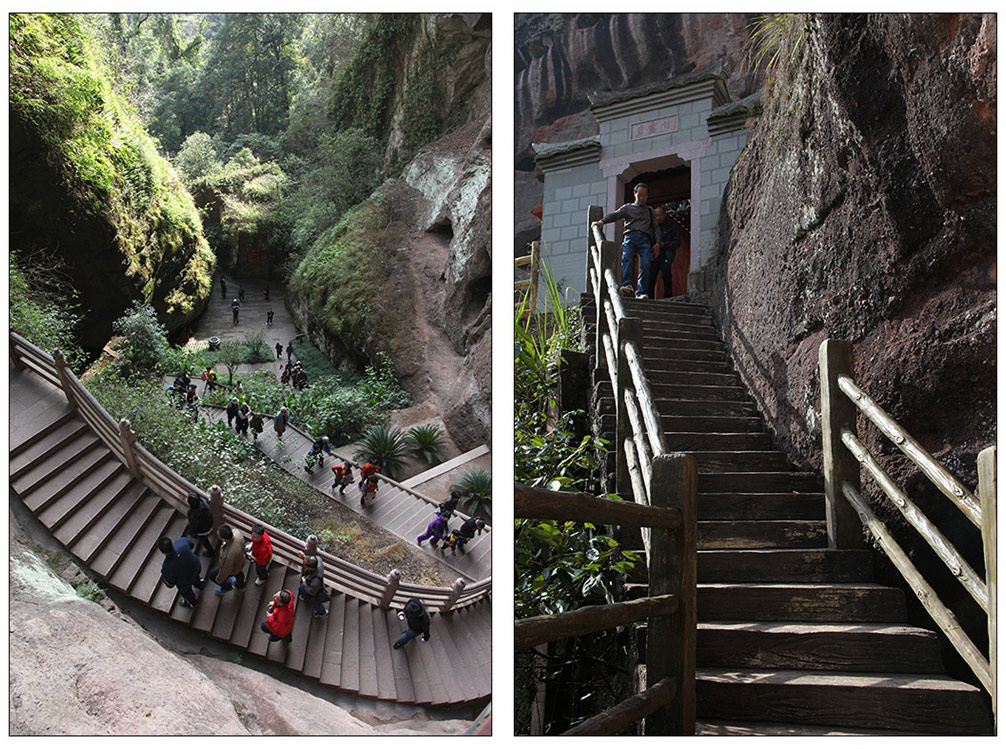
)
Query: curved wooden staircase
[
  {"x": 793, "y": 637},
  {"x": 109, "y": 520}
]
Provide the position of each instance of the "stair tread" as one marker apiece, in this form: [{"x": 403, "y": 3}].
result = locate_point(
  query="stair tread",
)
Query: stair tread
[
  {"x": 799, "y": 627},
  {"x": 797, "y": 678}
]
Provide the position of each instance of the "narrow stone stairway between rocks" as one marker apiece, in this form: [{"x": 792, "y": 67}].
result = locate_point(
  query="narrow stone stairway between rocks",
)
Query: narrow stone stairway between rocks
[{"x": 793, "y": 637}]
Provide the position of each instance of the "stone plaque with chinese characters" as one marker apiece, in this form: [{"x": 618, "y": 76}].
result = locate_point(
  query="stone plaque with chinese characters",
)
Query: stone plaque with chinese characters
[{"x": 653, "y": 127}]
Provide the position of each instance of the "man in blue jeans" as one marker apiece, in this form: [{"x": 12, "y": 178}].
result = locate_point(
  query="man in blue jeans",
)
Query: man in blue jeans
[
  {"x": 637, "y": 239},
  {"x": 418, "y": 621}
]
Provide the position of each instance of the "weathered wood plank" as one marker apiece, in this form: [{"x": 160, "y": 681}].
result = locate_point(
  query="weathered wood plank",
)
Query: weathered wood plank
[
  {"x": 530, "y": 502},
  {"x": 837, "y": 602},
  {"x": 987, "y": 493},
  {"x": 927, "y": 704},
  {"x": 628, "y": 711},
  {"x": 761, "y": 534},
  {"x": 540, "y": 629},
  {"x": 785, "y": 565},
  {"x": 837, "y": 413}
]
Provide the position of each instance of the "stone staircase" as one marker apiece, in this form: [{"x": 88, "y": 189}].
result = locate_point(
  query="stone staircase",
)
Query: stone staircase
[
  {"x": 110, "y": 521},
  {"x": 793, "y": 637}
]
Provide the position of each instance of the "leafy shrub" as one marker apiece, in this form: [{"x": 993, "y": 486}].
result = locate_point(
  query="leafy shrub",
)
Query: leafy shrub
[
  {"x": 44, "y": 314},
  {"x": 380, "y": 384},
  {"x": 315, "y": 363},
  {"x": 257, "y": 349},
  {"x": 385, "y": 444},
  {"x": 146, "y": 338},
  {"x": 198, "y": 157},
  {"x": 476, "y": 489},
  {"x": 427, "y": 442}
]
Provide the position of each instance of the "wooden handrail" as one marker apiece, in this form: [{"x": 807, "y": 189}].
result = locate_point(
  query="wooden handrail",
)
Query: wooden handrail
[
  {"x": 537, "y": 630},
  {"x": 943, "y": 616},
  {"x": 532, "y": 502},
  {"x": 940, "y": 476},
  {"x": 844, "y": 454},
  {"x": 339, "y": 573},
  {"x": 628, "y": 711},
  {"x": 957, "y": 565}
]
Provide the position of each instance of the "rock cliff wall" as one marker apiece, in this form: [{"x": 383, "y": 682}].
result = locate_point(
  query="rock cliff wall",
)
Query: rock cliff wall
[
  {"x": 88, "y": 184},
  {"x": 864, "y": 208}
]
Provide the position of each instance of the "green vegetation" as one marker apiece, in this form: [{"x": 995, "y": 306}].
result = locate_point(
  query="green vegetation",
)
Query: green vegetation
[
  {"x": 146, "y": 338},
  {"x": 43, "y": 306},
  {"x": 315, "y": 363},
  {"x": 386, "y": 444},
  {"x": 342, "y": 406},
  {"x": 778, "y": 37},
  {"x": 88, "y": 590},
  {"x": 108, "y": 165},
  {"x": 427, "y": 442},
  {"x": 476, "y": 489},
  {"x": 341, "y": 278},
  {"x": 559, "y": 566}
]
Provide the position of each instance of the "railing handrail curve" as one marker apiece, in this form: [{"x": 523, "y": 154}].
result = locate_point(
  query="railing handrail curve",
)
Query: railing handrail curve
[{"x": 340, "y": 574}]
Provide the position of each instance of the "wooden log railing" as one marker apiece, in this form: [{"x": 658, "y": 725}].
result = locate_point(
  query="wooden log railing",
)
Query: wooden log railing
[
  {"x": 528, "y": 285},
  {"x": 668, "y": 705},
  {"x": 844, "y": 455},
  {"x": 340, "y": 574}
]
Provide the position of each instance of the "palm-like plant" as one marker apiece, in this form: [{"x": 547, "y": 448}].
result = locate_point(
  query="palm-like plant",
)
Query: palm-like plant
[
  {"x": 388, "y": 445},
  {"x": 427, "y": 442},
  {"x": 476, "y": 489}
]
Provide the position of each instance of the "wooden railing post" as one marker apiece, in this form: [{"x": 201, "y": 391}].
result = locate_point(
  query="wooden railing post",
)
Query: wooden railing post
[
  {"x": 987, "y": 495},
  {"x": 217, "y": 505},
  {"x": 837, "y": 413},
  {"x": 64, "y": 378},
  {"x": 390, "y": 588},
  {"x": 670, "y": 641},
  {"x": 452, "y": 598},
  {"x": 126, "y": 438},
  {"x": 629, "y": 329},
  {"x": 594, "y": 213}
]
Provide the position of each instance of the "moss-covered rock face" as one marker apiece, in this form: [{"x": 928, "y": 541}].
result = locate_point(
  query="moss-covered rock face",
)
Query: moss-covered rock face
[{"x": 87, "y": 182}]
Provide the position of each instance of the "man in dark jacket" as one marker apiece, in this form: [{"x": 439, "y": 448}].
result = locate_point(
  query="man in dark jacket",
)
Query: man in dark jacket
[
  {"x": 418, "y": 621},
  {"x": 468, "y": 530},
  {"x": 312, "y": 585},
  {"x": 200, "y": 525},
  {"x": 668, "y": 241},
  {"x": 232, "y": 412},
  {"x": 181, "y": 568}
]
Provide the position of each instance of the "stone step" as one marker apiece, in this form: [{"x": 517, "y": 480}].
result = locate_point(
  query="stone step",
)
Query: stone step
[
  {"x": 708, "y": 441},
  {"x": 863, "y": 647},
  {"x": 931, "y": 704},
  {"x": 745, "y": 505},
  {"x": 785, "y": 565},
  {"x": 759, "y": 481},
  {"x": 761, "y": 534},
  {"x": 818, "y": 602}
]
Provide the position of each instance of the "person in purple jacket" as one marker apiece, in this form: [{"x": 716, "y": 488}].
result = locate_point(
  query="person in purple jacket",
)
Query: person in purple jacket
[{"x": 437, "y": 530}]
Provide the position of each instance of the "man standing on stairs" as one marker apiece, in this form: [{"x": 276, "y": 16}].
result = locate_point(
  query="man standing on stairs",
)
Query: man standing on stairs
[
  {"x": 638, "y": 238},
  {"x": 667, "y": 242},
  {"x": 181, "y": 568},
  {"x": 259, "y": 551},
  {"x": 229, "y": 570},
  {"x": 200, "y": 524},
  {"x": 418, "y": 620},
  {"x": 235, "y": 309}
]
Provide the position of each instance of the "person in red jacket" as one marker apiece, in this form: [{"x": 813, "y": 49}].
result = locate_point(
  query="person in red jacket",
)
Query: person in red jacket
[
  {"x": 368, "y": 470},
  {"x": 260, "y": 552},
  {"x": 279, "y": 620}
]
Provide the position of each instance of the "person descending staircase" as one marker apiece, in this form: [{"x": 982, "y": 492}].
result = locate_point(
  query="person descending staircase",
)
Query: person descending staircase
[{"x": 793, "y": 637}]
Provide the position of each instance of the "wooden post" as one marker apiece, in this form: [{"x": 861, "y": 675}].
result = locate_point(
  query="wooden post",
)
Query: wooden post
[
  {"x": 987, "y": 495},
  {"x": 390, "y": 588},
  {"x": 837, "y": 413},
  {"x": 629, "y": 329},
  {"x": 217, "y": 505},
  {"x": 64, "y": 378},
  {"x": 594, "y": 213},
  {"x": 459, "y": 585},
  {"x": 609, "y": 259},
  {"x": 126, "y": 438},
  {"x": 533, "y": 295},
  {"x": 670, "y": 641}
]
